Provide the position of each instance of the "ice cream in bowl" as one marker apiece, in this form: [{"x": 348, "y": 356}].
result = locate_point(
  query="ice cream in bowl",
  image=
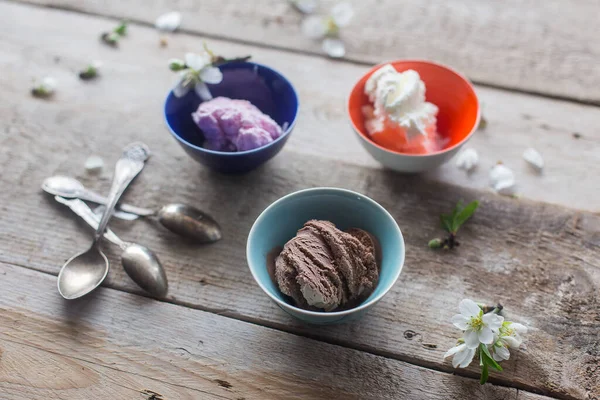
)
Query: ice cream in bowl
[
  {"x": 412, "y": 116},
  {"x": 237, "y": 124},
  {"x": 325, "y": 255}
]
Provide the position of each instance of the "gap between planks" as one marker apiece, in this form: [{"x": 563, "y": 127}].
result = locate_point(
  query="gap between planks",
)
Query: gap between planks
[
  {"x": 342, "y": 343},
  {"x": 349, "y": 60}
]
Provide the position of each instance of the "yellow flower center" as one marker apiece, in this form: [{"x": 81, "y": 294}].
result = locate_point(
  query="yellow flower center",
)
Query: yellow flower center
[{"x": 476, "y": 322}]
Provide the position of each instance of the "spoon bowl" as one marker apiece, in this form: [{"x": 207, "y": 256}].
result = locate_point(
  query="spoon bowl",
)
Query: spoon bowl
[
  {"x": 144, "y": 268},
  {"x": 189, "y": 222},
  {"x": 82, "y": 273},
  {"x": 63, "y": 186}
]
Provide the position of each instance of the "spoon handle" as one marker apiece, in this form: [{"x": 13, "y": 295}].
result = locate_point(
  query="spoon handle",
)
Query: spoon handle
[
  {"x": 129, "y": 165},
  {"x": 86, "y": 213},
  {"x": 94, "y": 197}
]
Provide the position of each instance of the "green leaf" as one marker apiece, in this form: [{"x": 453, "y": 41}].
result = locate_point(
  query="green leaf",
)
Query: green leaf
[
  {"x": 461, "y": 216},
  {"x": 484, "y": 374},
  {"x": 446, "y": 222},
  {"x": 121, "y": 29},
  {"x": 487, "y": 358}
]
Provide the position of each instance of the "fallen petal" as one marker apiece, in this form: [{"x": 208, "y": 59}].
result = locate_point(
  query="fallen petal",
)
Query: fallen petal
[
  {"x": 467, "y": 159},
  {"x": 342, "y": 14},
  {"x": 534, "y": 158},
  {"x": 334, "y": 47},
  {"x": 502, "y": 180},
  {"x": 314, "y": 27},
  {"x": 94, "y": 164},
  {"x": 168, "y": 22}
]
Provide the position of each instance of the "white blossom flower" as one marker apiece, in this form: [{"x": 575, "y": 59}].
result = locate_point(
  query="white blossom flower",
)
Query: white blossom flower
[
  {"x": 462, "y": 355},
  {"x": 478, "y": 327},
  {"x": 168, "y": 22},
  {"x": 327, "y": 28},
  {"x": 44, "y": 87},
  {"x": 198, "y": 73},
  {"x": 502, "y": 180},
  {"x": 534, "y": 158},
  {"x": 509, "y": 336},
  {"x": 467, "y": 159}
]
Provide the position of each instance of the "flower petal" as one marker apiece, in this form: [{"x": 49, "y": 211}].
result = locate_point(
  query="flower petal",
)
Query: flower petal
[
  {"x": 460, "y": 321},
  {"x": 455, "y": 350},
  {"x": 342, "y": 14},
  {"x": 182, "y": 87},
  {"x": 459, "y": 357},
  {"x": 492, "y": 320},
  {"x": 519, "y": 328},
  {"x": 468, "y": 308},
  {"x": 334, "y": 47},
  {"x": 534, "y": 158},
  {"x": 502, "y": 353},
  {"x": 168, "y": 22},
  {"x": 469, "y": 353},
  {"x": 196, "y": 61},
  {"x": 467, "y": 159},
  {"x": 471, "y": 339},
  {"x": 502, "y": 179},
  {"x": 211, "y": 75},
  {"x": 486, "y": 336},
  {"x": 314, "y": 27},
  {"x": 512, "y": 341},
  {"x": 202, "y": 91}
]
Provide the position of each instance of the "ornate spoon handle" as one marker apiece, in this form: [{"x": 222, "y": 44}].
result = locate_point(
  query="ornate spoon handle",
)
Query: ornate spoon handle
[{"x": 129, "y": 165}]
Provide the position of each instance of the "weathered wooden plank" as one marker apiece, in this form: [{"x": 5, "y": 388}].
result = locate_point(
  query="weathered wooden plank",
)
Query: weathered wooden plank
[
  {"x": 137, "y": 75},
  {"x": 546, "y": 48},
  {"x": 549, "y": 253},
  {"x": 113, "y": 344}
]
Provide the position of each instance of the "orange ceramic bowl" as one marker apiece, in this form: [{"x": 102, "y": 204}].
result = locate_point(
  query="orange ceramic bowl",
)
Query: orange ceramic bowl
[{"x": 457, "y": 119}]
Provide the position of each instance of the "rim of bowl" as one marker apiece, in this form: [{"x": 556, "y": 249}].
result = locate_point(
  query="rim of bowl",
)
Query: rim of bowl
[
  {"x": 421, "y": 61},
  {"x": 343, "y": 313},
  {"x": 237, "y": 153}
]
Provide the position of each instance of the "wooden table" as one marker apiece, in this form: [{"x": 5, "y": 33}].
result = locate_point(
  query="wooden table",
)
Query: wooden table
[{"x": 217, "y": 335}]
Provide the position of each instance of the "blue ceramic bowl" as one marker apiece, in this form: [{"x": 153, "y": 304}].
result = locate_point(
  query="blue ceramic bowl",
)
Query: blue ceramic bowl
[
  {"x": 264, "y": 87},
  {"x": 346, "y": 209}
]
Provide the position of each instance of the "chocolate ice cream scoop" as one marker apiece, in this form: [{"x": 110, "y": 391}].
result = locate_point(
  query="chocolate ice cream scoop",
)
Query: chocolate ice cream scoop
[{"x": 325, "y": 268}]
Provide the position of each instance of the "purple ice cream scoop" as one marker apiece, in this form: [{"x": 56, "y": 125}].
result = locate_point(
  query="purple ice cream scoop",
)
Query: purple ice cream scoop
[{"x": 234, "y": 125}]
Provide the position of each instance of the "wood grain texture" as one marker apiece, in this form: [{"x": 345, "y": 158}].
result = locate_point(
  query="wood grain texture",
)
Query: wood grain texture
[
  {"x": 545, "y": 47},
  {"x": 539, "y": 260},
  {"x": 114, "y": 345},
  {"x": 137, "y": 75}
]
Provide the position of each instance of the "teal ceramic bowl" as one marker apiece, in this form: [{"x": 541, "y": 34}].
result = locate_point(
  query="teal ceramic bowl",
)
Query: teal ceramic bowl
[{"x": 346, "y": 209}]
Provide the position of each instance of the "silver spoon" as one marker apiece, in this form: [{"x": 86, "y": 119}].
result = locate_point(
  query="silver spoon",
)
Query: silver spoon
[
  {"x": 140, "y": 263},
  {"x": 181, "y": 219},
  {"x": 85, "y": 271}
]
